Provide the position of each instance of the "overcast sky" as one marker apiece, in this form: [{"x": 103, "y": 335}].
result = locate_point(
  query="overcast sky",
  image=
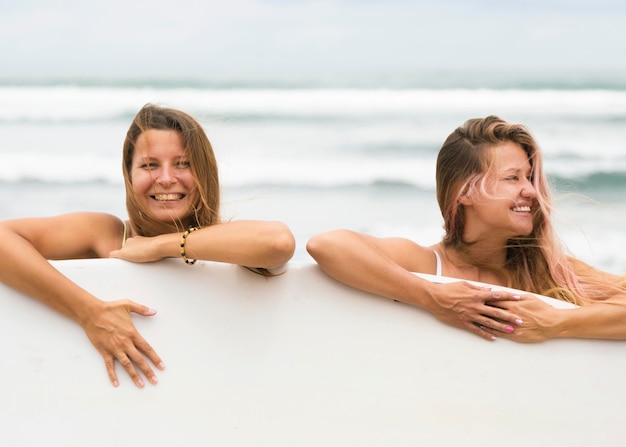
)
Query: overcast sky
[{"x": 282, "y": 39}]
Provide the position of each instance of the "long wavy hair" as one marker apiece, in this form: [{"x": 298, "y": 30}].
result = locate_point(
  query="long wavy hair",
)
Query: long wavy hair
[
  {"x": 536, "y": 262},
  {"x": 203, "y": 167}
]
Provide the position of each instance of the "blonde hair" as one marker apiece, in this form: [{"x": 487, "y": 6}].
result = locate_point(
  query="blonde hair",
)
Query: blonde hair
[
  {"x": 536, "y": 262},
  {"x": 203, "y": 167}
]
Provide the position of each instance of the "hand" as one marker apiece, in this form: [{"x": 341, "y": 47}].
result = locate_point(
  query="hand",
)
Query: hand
[
  {"x": 137, "y": 249},
  {"x": 538, "y": 319},
  {"x": 476, "y": 309},
  {"x": 114, "y": 335}
]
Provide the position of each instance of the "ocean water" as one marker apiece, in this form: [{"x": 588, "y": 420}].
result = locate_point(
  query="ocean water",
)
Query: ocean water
[{"x": 320, "y": 157}]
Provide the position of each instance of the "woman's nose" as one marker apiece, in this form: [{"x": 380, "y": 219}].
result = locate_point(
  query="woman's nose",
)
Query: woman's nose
[
  {"x": 166, "y": 176},
  {"x": 529, "y": 190}
]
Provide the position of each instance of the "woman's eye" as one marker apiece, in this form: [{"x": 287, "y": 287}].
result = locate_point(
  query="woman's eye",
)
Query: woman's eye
[
  {"x": 183, "y": 164},
  {"x": 149, "y": 166}
]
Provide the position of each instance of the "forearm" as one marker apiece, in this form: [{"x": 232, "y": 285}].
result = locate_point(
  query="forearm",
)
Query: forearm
[
  {"x": 250, "y": 243},
  {"x": 23, "y": 268},
  {"x": 349, "y": 258},
  {"x": 601, "y": 320}
]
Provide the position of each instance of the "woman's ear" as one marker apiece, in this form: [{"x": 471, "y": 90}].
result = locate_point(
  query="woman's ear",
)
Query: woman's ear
[{"x": 465, "y": 200}]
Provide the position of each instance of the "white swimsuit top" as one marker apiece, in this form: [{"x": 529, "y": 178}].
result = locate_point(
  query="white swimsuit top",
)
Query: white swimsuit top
[
  {"x": 124, "y": 237},
  {"x": 439, "y": 268}
]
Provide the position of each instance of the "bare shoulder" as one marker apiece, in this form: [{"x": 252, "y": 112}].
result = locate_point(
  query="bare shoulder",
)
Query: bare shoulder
[
  {"x": 408, "y": 254},
  {"x": 73, "y": 235}
]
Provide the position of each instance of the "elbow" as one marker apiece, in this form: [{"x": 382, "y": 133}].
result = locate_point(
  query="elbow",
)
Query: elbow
[
  {"x": 282, "y": 245},
  {"x": 325, "y": 246}
]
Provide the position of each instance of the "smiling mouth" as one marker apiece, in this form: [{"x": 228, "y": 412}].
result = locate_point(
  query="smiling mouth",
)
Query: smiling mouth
[
  {"x": 167, "y": 197},
  {"x": 521, "y": 209}
]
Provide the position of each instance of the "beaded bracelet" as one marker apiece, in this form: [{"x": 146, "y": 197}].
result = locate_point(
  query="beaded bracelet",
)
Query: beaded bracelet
[{"x": 182, "y": 246}]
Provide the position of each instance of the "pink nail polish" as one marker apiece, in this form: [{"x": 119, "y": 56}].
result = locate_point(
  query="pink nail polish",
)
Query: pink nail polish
[
  {"x": 519, "y": 321},
  {"x": 509, "y": 329}
]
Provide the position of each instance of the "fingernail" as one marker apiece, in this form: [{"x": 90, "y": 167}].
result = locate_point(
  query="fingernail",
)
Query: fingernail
[
  {"x": 518, "y": 321},
  {"x": 116, "y": 383},
  {"x": 140, "y": 383},
  {"x": 161, "y": 366},
  {"x": 516, "y": 297},
  {"x": 154, "y": 380},
  {"x": 509, "y": 329},
  {"x": 495, "y": 294}
]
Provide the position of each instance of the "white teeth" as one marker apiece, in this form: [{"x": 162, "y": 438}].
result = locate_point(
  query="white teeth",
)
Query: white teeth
[
  {"x": 165, "y": 197},
  {"x": 522, "y": 209}
]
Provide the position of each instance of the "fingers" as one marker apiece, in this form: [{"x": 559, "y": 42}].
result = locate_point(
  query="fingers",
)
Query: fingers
[
  {"x": 498, "y": 295},
  {"x": 491, "y": 317},
  {"x": 144, "y": 348},
  {"x": 488, "y": 323},
  {"x": 116, "y": 338},
  {"x": 481, "y": 331},
  {"x": 487, "y": 329},
  {"x": 496, "y": 309},
  {"x": 109, "y": 363},
  {"x": 131, "y": 360},
  {"x": 129, "y": 366},
  {"x": 481, "y": 310},
  {"x": 141, "y": 309},
  {"x": 501, "y": 315}
]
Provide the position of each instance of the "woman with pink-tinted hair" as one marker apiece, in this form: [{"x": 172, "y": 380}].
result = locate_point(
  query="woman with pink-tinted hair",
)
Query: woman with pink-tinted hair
[{"x": 496, "y": 205}]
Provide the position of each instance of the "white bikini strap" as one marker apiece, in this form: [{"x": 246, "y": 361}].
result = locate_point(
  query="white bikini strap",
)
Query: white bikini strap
[{"x": 439, "y": 267}]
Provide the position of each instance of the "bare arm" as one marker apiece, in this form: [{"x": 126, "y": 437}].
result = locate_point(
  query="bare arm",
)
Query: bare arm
[
  {"x": 384, "y": 266},
  {"x": 251, "y": 243},
  {"x": 25, "y": 246},
  {"x": 599, "y": 320}
]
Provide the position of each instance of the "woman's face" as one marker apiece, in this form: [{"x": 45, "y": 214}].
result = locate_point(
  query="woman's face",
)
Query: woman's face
[
  {"x": 507, "y": 210},
  {"x": 161, "y": 176}
]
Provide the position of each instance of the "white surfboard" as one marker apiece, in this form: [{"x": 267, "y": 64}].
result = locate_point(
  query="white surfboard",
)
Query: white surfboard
[
  {"x": 557, "y": 304},
  {"x": 294, "y": 360}
]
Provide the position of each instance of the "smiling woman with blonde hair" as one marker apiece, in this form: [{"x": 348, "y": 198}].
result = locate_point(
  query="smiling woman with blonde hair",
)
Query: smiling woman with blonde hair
[
  {"x": 496, "y": 205},
  {"x": 172, "y": 196}
]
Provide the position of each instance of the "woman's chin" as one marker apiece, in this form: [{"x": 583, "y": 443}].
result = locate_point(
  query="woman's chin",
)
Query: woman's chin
[{"x": 169, "y": 214}]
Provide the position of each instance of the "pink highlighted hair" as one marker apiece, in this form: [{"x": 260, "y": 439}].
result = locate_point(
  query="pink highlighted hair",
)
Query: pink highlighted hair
[{"x": 536, "y": 262}]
